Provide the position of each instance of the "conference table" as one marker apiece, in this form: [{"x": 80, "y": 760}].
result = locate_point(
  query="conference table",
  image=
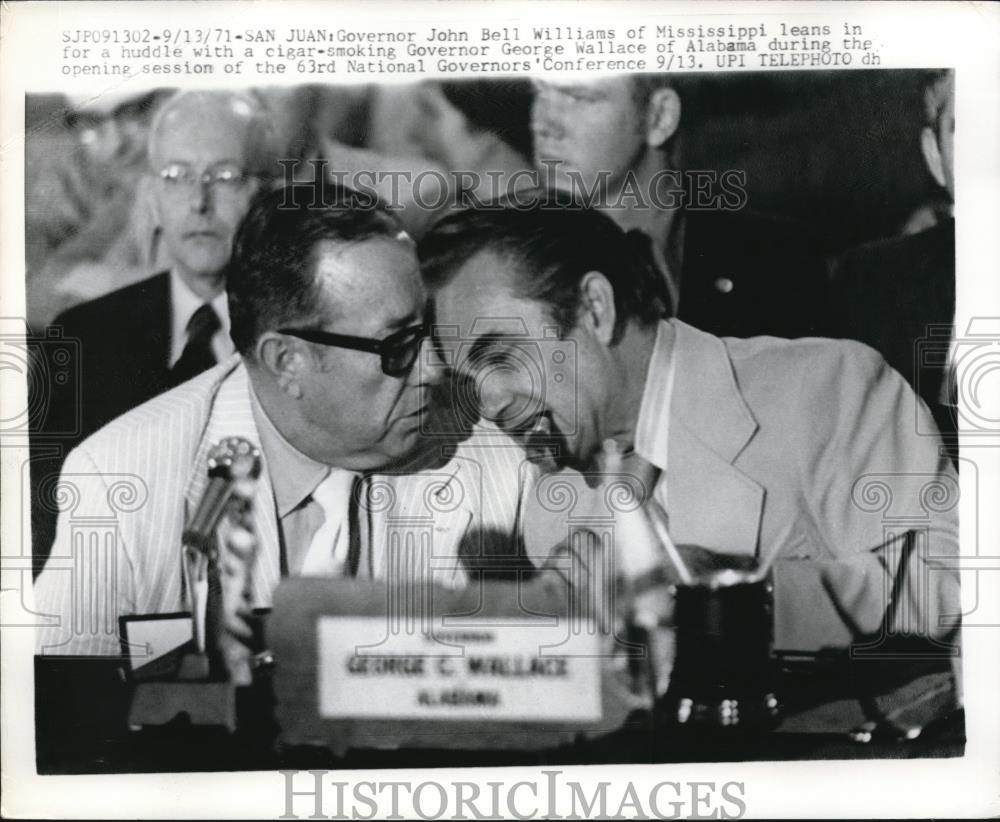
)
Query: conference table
[{"x": 82, "y": 704}]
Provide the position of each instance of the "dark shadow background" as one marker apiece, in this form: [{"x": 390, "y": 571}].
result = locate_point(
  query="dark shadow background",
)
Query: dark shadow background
[{"x": 839, "y": 150}]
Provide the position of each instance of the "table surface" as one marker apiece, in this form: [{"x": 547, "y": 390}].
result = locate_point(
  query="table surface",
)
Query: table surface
[{"x": 82, "y": 707}]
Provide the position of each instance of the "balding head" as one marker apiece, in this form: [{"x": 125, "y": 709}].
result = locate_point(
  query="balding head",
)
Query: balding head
[
  {"x": 204, "y": 113},
  {"x": 209, "y": 153}
]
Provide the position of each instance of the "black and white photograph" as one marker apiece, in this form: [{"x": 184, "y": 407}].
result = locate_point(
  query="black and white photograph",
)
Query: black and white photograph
[{"x": 485, "y": 394}]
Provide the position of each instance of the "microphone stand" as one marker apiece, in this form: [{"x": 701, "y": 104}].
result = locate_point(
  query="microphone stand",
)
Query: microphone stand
[{"x": 210, "y": 667}]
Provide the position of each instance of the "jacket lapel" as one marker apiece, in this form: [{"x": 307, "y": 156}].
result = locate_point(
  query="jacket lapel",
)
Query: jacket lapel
[
  {"x": 231, "y": 416},
  {"x": 711, "y": 503}
]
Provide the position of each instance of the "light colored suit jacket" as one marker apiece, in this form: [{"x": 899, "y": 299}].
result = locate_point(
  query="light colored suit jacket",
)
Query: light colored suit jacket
[
  {"x": 127, "y": 491},
  {"x": 805, "y": 453}
]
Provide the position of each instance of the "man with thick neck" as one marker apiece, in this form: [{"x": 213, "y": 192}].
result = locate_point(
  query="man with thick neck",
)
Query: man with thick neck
[
  {"x": 312, "y": 285},
  {"x": 754, "y": 448},
  {"x": 331, "y": 385}
]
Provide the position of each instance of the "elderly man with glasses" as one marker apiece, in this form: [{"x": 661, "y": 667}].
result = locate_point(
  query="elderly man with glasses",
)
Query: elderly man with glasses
[
  {"x": 209, "y": 153},
  {"x": 332, "y": 382}
]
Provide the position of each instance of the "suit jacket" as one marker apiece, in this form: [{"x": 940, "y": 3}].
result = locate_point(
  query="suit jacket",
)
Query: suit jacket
[
  {"x": 744, "y": 275},
  {"x": 130, "y": 488},
  {"x": 804, "y": 452},
  {"x": 123, "y": 350},
  {"x": 118, "y": 346}
]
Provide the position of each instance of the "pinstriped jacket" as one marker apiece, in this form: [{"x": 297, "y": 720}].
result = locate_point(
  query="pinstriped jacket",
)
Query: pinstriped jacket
[{"x": 129, "y": 489}]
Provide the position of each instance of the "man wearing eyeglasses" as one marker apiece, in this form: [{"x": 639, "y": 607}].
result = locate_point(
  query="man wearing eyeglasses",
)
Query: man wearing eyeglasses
[
  {"x": 332, "y": 381},
  {"x": 208, "y": 154}
]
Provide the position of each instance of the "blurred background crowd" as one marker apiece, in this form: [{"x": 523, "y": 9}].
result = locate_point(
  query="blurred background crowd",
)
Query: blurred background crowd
[{"x": 839, "y": 152}]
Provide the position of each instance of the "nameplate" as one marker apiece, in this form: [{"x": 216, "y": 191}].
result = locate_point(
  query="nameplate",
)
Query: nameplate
[
  {"x": 503, "y": 671},
  {"x": 359, "y": 664}
]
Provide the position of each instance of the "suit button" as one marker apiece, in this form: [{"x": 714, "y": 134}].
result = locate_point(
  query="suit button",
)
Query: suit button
[{"x": 724, "y": 285}]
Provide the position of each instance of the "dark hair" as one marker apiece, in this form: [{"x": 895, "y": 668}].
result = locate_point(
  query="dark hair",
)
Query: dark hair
[
  {"x": 271, "y": 277},
  {"x": 550, "y": 245},
  {"x": 502, "y": 107}
]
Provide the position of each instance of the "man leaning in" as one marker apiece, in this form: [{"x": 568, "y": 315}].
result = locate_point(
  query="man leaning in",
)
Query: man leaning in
[
  {"x": 327, "y": 312},
  {"x": 800, "y": 455}
]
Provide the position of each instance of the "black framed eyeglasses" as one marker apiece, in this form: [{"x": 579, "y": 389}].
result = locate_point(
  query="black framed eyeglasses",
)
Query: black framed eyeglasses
[{"x": 398, "y": 351}]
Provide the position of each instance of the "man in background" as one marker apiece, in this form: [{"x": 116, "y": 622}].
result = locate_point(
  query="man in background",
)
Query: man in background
[
  {"x": 87, "y": 230},
  {"x": 898, "y": 295},
  {"x": 328, "y": 319},
  {"x": 724, "y": 270},
  {"x": 208, "y": 154}
]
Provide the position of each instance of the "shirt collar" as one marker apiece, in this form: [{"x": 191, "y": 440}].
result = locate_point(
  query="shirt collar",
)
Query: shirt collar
[
  {"x": 652, "y": 426},
  {"x": 294, "y": 476},
  {"x": 183, "y": 303}
]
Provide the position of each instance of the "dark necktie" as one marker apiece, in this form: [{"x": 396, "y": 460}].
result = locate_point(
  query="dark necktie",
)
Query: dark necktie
[
  {"x": 357, "y": 508},
  {"x": 197, "y": 355}
]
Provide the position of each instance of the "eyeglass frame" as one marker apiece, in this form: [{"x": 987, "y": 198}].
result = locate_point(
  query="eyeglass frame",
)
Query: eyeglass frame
[
  {"x": 381, "y": 347},
  {"x": 207, "y": 177}
]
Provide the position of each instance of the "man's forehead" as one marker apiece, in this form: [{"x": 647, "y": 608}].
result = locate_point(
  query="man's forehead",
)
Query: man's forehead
[
  {"x": 194, "y": 131},
  {"x": 367, "y": 263},
  {"x": 195, "y": 108},
  {"x": 378, "y": 277},
  {"x": 480, "y": 301},
  {"x": 485, "y": 277},
  {"x": 484, "y": 268}
]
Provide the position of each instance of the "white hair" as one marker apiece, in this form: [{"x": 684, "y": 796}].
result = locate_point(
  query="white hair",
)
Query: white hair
[{"x": 263, "y": 152}]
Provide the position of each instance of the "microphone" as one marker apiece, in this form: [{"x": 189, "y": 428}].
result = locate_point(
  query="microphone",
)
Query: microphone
[{"x": 232, "y": 459}]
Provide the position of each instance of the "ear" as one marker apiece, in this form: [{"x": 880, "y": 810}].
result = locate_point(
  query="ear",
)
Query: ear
[
  {"x": 597, "y": 299},
  {"x": 663, "y": 116},
  {"x": 284, "y": 359},
  {"x": 932, "y": 155}
]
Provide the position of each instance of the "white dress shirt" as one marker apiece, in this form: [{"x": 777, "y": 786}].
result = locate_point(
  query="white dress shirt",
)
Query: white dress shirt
[{"x": 312, "y": 502}]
